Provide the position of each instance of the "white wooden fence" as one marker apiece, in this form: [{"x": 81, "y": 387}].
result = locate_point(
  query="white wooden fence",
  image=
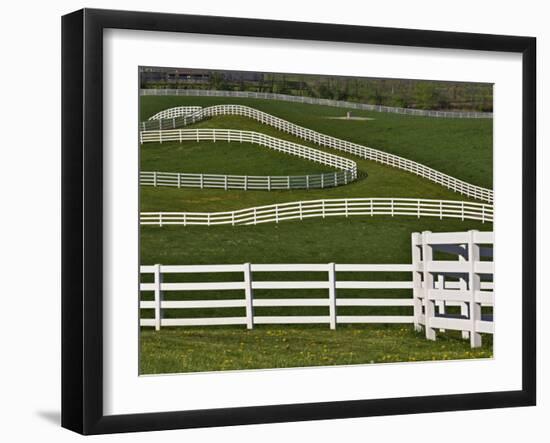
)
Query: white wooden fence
[
  {"x": 233, "y": 135},
  {"x": 184, "y": 115},
  {"x": 466, "y": 281},
  {"x": 316, "y": 101},
  {"x": 245, "y": 182},
  {"x": 248, "y": 285},
  {"x": 346, "y": 207}
]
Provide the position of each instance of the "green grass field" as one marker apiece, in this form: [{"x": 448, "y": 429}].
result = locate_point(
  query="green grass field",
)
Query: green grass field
[
  {"x": 232, "y": 348},
  {"x": 452, "y": 146},
  {"x": 459, "y": 147}
]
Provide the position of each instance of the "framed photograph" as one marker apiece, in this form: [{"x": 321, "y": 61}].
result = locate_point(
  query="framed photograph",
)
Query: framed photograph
[{"x": 269, "y": 221}]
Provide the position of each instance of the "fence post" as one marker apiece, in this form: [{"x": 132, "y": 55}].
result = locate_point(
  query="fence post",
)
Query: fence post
[
  {"x": 202, "y": 181},
  {"x": 179, "y": 180},
  {"x": 245, "y": 182},
  {"x": 335, "y": 179},
  {"x": 417, "y": 283},
  {"x": 429, "y": 305},
  {"x": 158, "y": 297},
  {"x": 249, "y": 304},
  {"x": 474, "y": 285},
  {"x": 155, "y": 179},
  {"x": 332, "y": 294},
  {"x": 269, "y": 183},
  {"x": 160, "y": 219},
  {"x": 307, "y": 181}
]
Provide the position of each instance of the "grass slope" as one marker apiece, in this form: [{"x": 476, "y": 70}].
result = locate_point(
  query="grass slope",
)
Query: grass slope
[
  {"x": 224, "y": 158},
  {"x": 354, "y": 240},
  {"x": 459, "y": 147}
]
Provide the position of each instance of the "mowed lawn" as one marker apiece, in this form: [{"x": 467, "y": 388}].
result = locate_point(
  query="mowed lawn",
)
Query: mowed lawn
[
  {"x": 224, "y": 158},
  {"x": 382, "y": 240},
  {"x": 375, "y": 179},
  {"x": 459, "y": 147},
  {"x": 198, "y": 349}
]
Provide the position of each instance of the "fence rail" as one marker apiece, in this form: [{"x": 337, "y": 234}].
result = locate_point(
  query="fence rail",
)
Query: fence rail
[
  {"x": 184, "y": 115},
  {"x": 326, "y": 208},
  {"x": 233, "y": 135},
  {"x": 245, "y": 182},
  {"x": 316, "y": 101},
  {"x": 248, "y": 285},
  {"x": 472, "y": 288}
]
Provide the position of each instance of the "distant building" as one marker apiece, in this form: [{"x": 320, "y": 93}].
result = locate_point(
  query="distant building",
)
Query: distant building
[
  {"x": 176, "y": 75},
  {"x": 193, "y": 76}
]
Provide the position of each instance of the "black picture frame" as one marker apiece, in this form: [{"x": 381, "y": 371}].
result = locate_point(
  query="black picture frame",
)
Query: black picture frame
[{"x": 82, "y": 215}]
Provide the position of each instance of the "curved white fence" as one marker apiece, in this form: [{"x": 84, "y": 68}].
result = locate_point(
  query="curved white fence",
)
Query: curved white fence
[
  {"x": 317, "y": 101},
  {"x": 245, "y": 182},
  {"x": 184, "y": 115},
  {"x": 234, "y": 135},
  {"x": 346, "y": 207}
]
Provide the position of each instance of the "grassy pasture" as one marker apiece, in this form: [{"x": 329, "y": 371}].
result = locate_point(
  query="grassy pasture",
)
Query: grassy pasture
[
  {"x": 336, "y": 239},
  {"x": 224, "y": 158},
  {"x": 173, "y": 350},
  {"x": 459, "y": 147}
]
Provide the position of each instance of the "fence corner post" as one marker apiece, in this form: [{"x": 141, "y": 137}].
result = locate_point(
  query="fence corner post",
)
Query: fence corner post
[
  {"x": 474, "y": 285},
  {"x": 332, "y": 294},
  {"x": 429, "y": 305},
  {"x": 158, "y": 297},
  {"x": 417, "y": 283},
  {"x": 249, "y": 303}
]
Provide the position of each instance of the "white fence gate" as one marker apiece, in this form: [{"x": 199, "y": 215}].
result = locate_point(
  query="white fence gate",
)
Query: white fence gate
[{"x": 466, "y": 281}]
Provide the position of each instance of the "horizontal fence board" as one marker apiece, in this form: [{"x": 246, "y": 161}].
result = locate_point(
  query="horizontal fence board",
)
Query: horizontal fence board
[
  {"x": 374, "y": 302},
  {"x": 373, "y": 268},
  {"x": 353, "y": 284},
  {"x": 221, "y": 286},
  {"x": 374, "y": 319},
  {"x": 269, "y": 302},
  {"x": 311, "y": 267},
  {"x": 289, "y": 285},
  {"x": 212, "y": 321}
]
